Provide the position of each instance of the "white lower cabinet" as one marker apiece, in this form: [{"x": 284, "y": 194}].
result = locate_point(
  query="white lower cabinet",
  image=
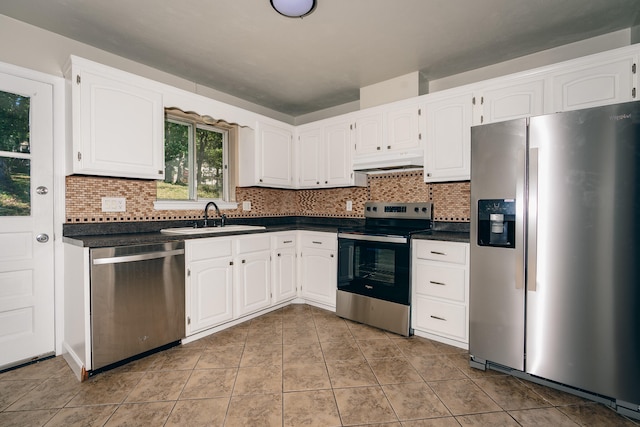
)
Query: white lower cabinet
[
  {"x": 209, "y": 283},
  {"x": 319, "y": 267},
  {"x": 253, "y": 273},
  {"x": 283, "y": 268},
  {"x": 440, "y": 291}
]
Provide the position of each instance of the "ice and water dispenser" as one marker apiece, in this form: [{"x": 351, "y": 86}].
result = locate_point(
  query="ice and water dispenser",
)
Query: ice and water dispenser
[{"x": 497, "y": 223}]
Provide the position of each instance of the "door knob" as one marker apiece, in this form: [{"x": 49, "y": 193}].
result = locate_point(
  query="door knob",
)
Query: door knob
[
  {"x": 42, "y": 238},
  {"x": 42, "y": 190}
]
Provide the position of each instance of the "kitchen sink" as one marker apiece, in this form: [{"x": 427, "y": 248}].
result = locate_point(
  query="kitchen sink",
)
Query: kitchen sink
[{"x": 211, "y": 230}]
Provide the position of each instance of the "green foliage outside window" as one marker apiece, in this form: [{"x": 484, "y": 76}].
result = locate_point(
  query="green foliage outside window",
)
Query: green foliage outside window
[
  {"x": 15, "y": 182},
  {"x": 194, "y": 162}
]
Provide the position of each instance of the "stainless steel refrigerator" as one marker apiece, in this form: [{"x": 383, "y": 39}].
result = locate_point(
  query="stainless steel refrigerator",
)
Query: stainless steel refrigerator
[{"x": 555, "y": 250}]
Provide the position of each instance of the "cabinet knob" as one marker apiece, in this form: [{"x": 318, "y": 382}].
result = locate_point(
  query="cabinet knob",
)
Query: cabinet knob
[
  {"x": 326, "y": 182},
  {"x": 378, "y": 148},
  {"x": 388, "y": 147}
]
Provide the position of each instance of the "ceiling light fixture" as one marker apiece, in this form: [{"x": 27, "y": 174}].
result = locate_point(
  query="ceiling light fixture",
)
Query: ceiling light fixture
[{"x": 294, "y": 8}]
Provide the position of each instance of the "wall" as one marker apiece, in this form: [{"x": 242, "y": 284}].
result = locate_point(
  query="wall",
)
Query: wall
[
  {"x": 451, "y": 200},
  {"x": 41, "y": 50}
]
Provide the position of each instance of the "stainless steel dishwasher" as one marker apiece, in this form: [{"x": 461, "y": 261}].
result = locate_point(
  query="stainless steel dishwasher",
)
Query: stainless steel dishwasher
[{"x": 137, "y": 300}]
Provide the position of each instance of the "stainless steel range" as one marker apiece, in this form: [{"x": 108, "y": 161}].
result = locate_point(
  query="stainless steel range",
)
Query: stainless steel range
[{"x": 374, "y": 284}]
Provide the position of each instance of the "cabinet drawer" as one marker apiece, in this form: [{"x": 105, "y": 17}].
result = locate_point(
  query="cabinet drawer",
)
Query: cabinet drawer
[
  {"x": 253, "y": 244},
  {"x": 441, "y": 251},
  {"x": 284, "y": 241},
  {"x": 320, "y": 241},
  {"x": 441, "y": 318},
  {"x": 199, "y": 249},
  {"x": 442, "y": 282}
]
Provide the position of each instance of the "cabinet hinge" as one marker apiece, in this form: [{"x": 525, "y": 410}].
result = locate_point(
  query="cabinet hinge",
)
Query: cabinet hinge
[
  {"x": 633, "y": 68},
  {"x": 188, "y": 320},
  {"x": 473, "y": 100},
  {"x": 482, "y": 100},
  {"x": 79, "y": 156},
  {"x": 78, "y": 79},
  {"x": 419, "y": 111},
  {"x": 420, "y": 137},
  {"x": 481, "y": 119},
  {"x": 633, "y": 92},
  {"x": 188, "y": 272}
]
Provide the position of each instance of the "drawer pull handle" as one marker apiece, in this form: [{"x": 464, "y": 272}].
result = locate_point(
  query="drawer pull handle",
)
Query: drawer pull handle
[
  {"x": 438, "y": 253},
  {"x": 315, "y": 242},
  {"x": 287, "y": 241},
  {"x": 437, "y": 283},
  {"x": 438, "y": 318}
]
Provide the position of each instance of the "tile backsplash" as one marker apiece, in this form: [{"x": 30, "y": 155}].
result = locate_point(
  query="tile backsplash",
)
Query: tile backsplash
[{"x": 451, "y": 200}]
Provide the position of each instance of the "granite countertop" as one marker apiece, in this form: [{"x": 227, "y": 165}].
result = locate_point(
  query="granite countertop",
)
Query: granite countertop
[{"x": 140, "y": 233}]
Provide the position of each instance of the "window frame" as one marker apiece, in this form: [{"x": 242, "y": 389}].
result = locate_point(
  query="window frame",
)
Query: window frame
[{"x": 194, "y": 202}]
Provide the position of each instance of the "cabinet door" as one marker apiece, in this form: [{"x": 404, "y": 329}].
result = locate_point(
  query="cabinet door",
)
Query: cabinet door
[
  {"x": 448, "y": 142},
  {"x": 319, "y": 270},
  {"x": 310, "y": 158},
  {"x": 337, "y": 161},
  {"x": 368, "y": 134},
  {"x": 591, "y": 86},
  {"x": 118, "y": 128},
  {"x": 284, "y": 274},
  {"x": 275, "y": 152},
  {"x": 209, "y": 293},
  {"x": 253, "y": 283},
  {"x": 511, "y": 102},
  {"x": 403, "y": 129}
]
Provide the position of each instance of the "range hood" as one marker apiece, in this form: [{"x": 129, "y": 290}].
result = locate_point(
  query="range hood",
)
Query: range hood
[{"x": 384, "y": 162}]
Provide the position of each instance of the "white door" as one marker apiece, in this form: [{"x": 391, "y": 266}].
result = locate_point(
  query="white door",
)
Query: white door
[{"x": 26, "y": 220}]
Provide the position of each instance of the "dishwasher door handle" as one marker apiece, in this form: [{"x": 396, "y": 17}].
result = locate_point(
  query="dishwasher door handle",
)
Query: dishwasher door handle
[{"x": 138, "y": 257}]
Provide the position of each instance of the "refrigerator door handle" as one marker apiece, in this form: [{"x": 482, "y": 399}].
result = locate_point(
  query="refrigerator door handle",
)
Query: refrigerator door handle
[{"x": 532, "y": 222}]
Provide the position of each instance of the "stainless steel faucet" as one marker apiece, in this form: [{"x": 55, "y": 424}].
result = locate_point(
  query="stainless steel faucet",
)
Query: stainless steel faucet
[{"x": 223, "y": 217}]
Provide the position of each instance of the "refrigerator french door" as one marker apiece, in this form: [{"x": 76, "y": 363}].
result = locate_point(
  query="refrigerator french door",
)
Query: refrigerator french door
[{"x": 555, "y": 248}]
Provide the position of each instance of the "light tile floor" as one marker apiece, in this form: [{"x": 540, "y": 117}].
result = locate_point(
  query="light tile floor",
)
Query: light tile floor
[{"x": 297, "y": 366}]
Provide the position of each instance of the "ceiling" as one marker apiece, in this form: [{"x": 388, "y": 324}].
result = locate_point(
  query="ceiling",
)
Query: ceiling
[{"x": 297, "y": 66}]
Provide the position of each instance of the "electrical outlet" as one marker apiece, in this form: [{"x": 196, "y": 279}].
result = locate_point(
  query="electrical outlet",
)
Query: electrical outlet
[
  {"x": 114, "y": 204},
  {"x": 246, "y": 206},
  {"x": 349, "y": 205}
]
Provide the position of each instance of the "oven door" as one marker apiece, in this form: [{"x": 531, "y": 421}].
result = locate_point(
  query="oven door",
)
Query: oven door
[{"x": 374, "y": 266}]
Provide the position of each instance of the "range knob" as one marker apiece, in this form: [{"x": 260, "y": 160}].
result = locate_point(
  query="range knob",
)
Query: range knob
[
  {"x": 375, "y": 208},
  {"x": 424, "y": 210},
  {"x": 416, "y": 209}
]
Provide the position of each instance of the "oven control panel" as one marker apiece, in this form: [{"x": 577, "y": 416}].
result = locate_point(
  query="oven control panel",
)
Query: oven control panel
[{"x": 420, "y": 210}]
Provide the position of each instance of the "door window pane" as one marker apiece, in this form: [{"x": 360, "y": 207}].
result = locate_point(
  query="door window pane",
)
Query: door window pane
[
  {"x": 15, "y": 187},
  {"x": 14, "y": 123},
  {"x": 15, "y": 148}
]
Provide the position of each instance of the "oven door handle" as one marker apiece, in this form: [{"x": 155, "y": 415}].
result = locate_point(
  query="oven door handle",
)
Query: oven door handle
[{"x": 372, "y": 238}]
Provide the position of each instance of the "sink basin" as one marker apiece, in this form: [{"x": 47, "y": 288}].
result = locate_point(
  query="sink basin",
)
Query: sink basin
[{"x": 211, "y": 230}]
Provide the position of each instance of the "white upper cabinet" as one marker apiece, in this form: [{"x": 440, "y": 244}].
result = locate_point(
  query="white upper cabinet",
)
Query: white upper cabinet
[
  {"x": 338, "y": 168},
  {"x": 403, "y": 128},
  {"x": 518, "y": 99},
  {"x": 324, "y": 155},
  {"x": 594, "y": 82},
  {"x": 274, "y": 156},
  {"x": 310, "y": 156},
  {"x": 388, "y": 136},
  {"x": 117, "y": 123},
  {"x": 448, "y": 142},
  {"x": 368, "y": 133}
]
